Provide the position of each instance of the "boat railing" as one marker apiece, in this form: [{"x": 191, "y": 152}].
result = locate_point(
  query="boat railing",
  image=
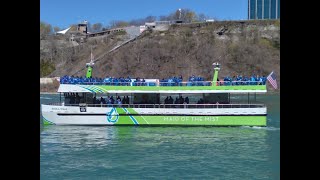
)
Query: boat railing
[
  {"x": 58, "y": 104},
  {"x": 209, "y": 83},
  {"x": 187, "y": 106},
  {"x": 188, "y": 83}
]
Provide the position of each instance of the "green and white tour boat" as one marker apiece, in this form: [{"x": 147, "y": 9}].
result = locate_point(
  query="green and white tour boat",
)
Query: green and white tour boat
[{"x": 210, "y": 104}]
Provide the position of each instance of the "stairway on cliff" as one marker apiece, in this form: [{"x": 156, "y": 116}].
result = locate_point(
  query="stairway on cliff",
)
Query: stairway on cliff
[{"x": 132, "y": 34}]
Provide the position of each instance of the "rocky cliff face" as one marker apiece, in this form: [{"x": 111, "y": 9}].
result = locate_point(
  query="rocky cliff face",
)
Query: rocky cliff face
[{"x": 244, "y": 48}]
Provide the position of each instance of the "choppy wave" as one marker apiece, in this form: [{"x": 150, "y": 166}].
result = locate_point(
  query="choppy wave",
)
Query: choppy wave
[
  {"x": 264, "y": 128},
  {"x": 96, "y": 152},
  {"x": 45, "y": 97}
]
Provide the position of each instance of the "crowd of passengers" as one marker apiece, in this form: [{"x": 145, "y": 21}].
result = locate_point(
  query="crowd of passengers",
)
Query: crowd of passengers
[
  {"x": 180, "y": 100},
  {"x": 110, "y": 100},
  {"x": 95, "y": 80},
  {"x": 74, "y": 98},
  {"x": 171, "y": 81},
  {"x": 239, "y": 80},
  {"x": 105, "y": 81},
  {"x": 177, "y": 81}
]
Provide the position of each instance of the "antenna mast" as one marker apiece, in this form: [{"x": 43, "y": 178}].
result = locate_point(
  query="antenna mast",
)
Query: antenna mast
[{"x": 90, "y": 66}]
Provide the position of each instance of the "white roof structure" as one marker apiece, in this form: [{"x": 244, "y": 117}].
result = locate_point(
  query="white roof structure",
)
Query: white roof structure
[{"x": 63, "y": 31}]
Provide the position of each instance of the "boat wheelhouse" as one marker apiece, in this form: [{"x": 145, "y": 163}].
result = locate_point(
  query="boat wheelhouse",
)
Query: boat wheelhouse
[{"x": 152, "y": 102}]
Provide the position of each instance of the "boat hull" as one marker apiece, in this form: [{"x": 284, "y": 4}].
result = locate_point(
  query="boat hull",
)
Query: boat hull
[{"x": 66, "y": 115}]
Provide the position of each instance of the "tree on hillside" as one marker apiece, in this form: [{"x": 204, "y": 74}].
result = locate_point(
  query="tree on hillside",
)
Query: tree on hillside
[
  {"x": 97, "y": 27},
  {"x": 45, "y": 30},
  {"x": 136, "y": 22},
  {"x": 163, "y": 18},
  {"x": 202, "y": 17},
  {"x": 190, "y": 16},
  {"x": 150, "y": 18},
  {"x": 89, "y": 27},
  {"x": 187, "y": 15},
  {"x": 56, "y": 29},
  {"x": 118, "y": 24},
  {"x": 74, "y": 27},
  {"x": 142, "y": 21}
]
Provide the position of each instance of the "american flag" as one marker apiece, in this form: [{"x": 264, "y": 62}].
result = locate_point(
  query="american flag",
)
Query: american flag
[{"x": 272, "y": 79}]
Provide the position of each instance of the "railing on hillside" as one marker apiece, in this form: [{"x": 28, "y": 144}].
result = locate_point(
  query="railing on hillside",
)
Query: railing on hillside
[{"x": 186, "y": 106}]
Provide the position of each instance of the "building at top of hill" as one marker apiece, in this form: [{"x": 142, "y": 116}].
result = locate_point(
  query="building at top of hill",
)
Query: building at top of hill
[{"x": 263, "y": 9}]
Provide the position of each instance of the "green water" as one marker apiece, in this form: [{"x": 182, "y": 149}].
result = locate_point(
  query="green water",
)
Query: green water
[{"x": 81, "y": 152}]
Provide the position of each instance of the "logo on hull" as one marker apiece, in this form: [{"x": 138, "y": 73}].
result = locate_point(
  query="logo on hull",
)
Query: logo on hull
[
  {"x": 113, "y": 116},
  {"x": 83, "y": 109}
]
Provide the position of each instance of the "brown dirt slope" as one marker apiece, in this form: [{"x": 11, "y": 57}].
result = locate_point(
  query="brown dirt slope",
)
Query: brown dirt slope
[{"x": 245, "y": 48}]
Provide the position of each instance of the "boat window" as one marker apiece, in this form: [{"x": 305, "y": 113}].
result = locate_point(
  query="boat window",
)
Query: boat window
[
  {"x": 110, "y": 98},
  {"x": 73, "y": 98},
  {"x": 174, "y": 98},
  {"x": 146, "y": 98},
  {"x": 213, "y": 98},
  {"x": 244, "y": 98}
]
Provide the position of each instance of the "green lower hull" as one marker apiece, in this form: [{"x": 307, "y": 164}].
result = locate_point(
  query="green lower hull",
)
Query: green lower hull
[
  {"x": 46, "y": 122},
  {"x": 193, "y": 120},
  {"x": 130, "y": 116},
  {"x": 134, "y": 119}
]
